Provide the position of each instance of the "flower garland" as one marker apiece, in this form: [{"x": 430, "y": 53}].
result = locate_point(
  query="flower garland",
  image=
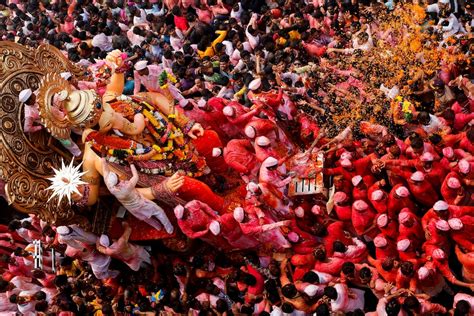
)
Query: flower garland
[
  {"x": 406, "y": 107},
  {"x": 171, "y": 151},
  {"x": 164, "y": 78}
]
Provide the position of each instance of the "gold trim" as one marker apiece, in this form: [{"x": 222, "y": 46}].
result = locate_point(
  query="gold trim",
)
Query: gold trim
[{"x": 26, "y": 160}]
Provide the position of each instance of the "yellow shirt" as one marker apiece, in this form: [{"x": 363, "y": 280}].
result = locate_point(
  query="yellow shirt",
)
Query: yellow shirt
[
  {"x": 73, "y": 272},
  {"x": 210, "y": 50},
  {"x": 294, "y": 35}
]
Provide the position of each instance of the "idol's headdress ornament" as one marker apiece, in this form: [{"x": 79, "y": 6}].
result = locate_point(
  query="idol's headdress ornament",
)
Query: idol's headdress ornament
[{"x": 61, "y": 107}]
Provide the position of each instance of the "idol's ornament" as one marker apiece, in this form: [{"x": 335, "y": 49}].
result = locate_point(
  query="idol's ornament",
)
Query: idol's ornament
[
  {"x": 27, "y": 159},
  {"x": 61, "y": 107}
]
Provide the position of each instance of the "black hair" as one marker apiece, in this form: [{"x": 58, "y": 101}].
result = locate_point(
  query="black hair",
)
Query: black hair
[
  {"x": 330, "y": 292},
  {"x": 41, "y": 306},
  {"x": 289, "y": 290},
  {"x": 339, "y": 246},
  {"x": 393, "y": 307},
  {"x": 26, "y": 224},
  {"x": 13, "y": 298},
  {"x": 179, "y": 270},
  {"x": 322, "y": 310},
  {"x": 39, "y": 296},
  {"x": 66, "y": 261},
  {"x": 470, "y": 134},
  {"x": 3, "y": 285},
  {"x": 406, "y": 268},
  {"x": 411, "y": 303},
  {"x": 311, "y": 277},
  {"x": 320, "y": 254},
  {"x": 435, "y": 139},
  {"x": 365, "y": 273},
  {"x": 247, "y": 310},
  {"x": 221, "y": 306},
  {"x": 60, "y": 280},
  {"x": 387, "y": 264},
  {"x": 249, "y": 279},
  {"x": 462, "y": 308},
  {"x": 348, "y": 268},
  {"x": 319, "y": 230},
  {"x": 417, "y": 143},
  {"x": 107, "y": 308},
  {"x": 423, "y": 118},
  {"x": 287, "y": 308},
  {"x": 358, "y": 312}
]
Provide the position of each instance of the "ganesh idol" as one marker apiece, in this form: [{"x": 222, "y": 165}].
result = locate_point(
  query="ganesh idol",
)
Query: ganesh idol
[{"x": 126, "y": 134}]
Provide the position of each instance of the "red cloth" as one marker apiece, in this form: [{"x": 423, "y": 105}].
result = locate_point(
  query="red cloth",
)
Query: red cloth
[
  {"x": 380, "y": 206},
  {"x": 315, "y": 50},
  {"x": 422, "y": 191},
  {"x": 362, "y": 220},
  {"x": 263, "y": 127},
  {"x": 436, "y": 175},
  {"x": 395, "y": 205},
  {"x": 437, "y": 238},
  {"x": 196, "y": 220},
  {"x": 239, "y": 155},
  {"x": 230, "y": 230},
  {"x": 331, "y": 266},
  {"x": 194, "y": 189},
  {"x": 344, "y": 212},
  {"x": 391, "y": 229},
  {"x": 410, "y": 253},
  {"x": 258, "y": 288},
  {"x": 389, "y": 251},
  {"x": 449, "y": 195},
  {"x": 204, "y": 146},
  {"x": 335, "y": 232},
  {"x": 360, "y": 167},
  {"x": 415, "y": 232},
  {"x": 465, "y": 236},
  {"x": 181, "y": 23},
  {"x": 359, "y": 193}
]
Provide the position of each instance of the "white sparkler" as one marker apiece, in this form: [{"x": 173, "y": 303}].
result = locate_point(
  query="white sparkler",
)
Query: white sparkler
[{"x": 66, "y": 181}]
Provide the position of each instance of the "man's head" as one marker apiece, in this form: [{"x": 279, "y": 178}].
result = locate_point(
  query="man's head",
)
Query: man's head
[
  {"x": 424, "y": 118},
  {"x": 339, "y": 246},
  {"x": 348, "y": 268},
  {"x": 289, "y": 290},
  {"x": 393, "y": 307},
  {"x": 365, "y": 275},
  {"x": 330, "y": 292},
  {"x": 462, "y": 308},
  {"x": 142, "y": 67},
  {"x": 311, "y": 277}
]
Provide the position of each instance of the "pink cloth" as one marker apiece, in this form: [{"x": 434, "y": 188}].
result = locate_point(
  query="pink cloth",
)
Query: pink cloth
[{"x": 150, "y": 81}]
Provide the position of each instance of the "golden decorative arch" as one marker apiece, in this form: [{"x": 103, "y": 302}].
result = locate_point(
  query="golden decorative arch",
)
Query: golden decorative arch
[{"x": 26, "y": 160}]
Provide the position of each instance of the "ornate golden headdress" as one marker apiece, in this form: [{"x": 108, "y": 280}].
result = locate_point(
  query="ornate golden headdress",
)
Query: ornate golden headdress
[{"x": 61, "y": 107}]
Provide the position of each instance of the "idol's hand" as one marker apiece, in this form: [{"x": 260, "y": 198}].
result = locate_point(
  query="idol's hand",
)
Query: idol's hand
[
  {"x": 115, "y": 57},
  {"x": 196, "y": 131},
  {"x": 175, "y": 182}
]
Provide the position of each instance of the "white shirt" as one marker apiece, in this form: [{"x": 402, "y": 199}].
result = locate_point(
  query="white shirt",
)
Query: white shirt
[
  {"x": 103, "y": 42},
  {"x": 436, "y": 124},
  {"x": 229, "y": 48},
  {"x": 140, "y": 19},
  {"x": 453, "y": 26},
  {"x": 464, "y": 297}
]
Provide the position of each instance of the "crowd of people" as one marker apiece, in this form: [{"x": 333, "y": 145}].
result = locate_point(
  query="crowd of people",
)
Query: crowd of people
[{"x": 383, "y": 91}]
